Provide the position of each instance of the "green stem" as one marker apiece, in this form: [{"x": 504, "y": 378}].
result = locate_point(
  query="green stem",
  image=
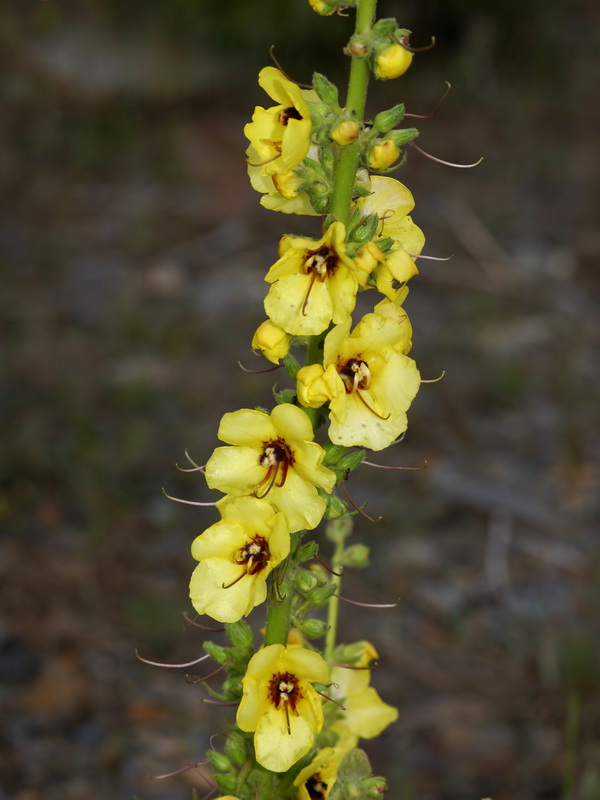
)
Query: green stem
[
  {"x": 347, "y": 163},
  {"x": 333, "y": 604},
  {"x": 280, "y": 598}
]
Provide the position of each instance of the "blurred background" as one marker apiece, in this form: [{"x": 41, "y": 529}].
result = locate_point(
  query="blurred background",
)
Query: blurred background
[{"x": 132, "y": 256}]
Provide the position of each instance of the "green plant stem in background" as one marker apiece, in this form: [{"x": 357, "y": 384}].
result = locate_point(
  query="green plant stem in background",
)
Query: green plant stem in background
[
  {"x": 333, "y": 604},
  {"x": 347, "y": 164}
]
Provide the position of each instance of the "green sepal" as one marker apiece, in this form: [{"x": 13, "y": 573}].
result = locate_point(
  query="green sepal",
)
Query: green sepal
[
  {"x": 327, "y": 159},
  {"x": 366, "y": 230},
  {"x": 232, "y": 687},
  {"x": 236, "y": 748},
  {"x": 305, "y": 581},
  {"x": 306, "y": 552},
  {"x": 240, "y": 634},
  {"x": 351, "y": 460},
  {"x": 403, "y": 136},
  {"x": 386, "y": 120},
  {"x": 386, "y": 27},
  {"x": 284, "y": 395},
  {"x": 319, "y": 597},
  {"x": 218, "y": 761},
  {"x": 312, "y": 628},
  {"x": 336, "y": 507},
  {"x": 333, "y": 453},
  {"x": 386, "y": 245},
  {"x": 326, "y": 90},
  {"x": 375, "y": 787},
  {"x": 291, "y": 366},
  {"x": 220, "y": 654},
  {"x": 226, "y": 782}
]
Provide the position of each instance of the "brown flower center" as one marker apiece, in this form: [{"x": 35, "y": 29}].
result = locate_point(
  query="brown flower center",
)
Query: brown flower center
[
  {"x": 254, "y": 556},
  {"x": 287, "y": 114},
  {"x": 321, "y": 262},
  {"x": 277, "y": 457},
  {"x": 356, "y": 377},
  {"x": 285, "y": 693},
  {"x": 316, "y": 788}
]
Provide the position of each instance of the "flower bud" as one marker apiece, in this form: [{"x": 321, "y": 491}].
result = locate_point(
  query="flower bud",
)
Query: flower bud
[
  {"x": 335, "y": 507},
  {"x": 322, "y": 7},
  {"x": 240, "y": 634},
  {"x": 345, "y": 132},
  {"x": 383, "y": 154},
  {"x": 306, "y": 582},
  {"x": 356, "y": 556},
  {"x": 339, "y": 529},
  {"x": 392, "y": 62},
  {"x": 236, "y": 748},
  {"x": 386, "y": 120},
  {"x": 227, "y": 783},
  {"x": 218, "y": 761},
  {"x": 326, "y": 90},
  {"x": 374, "y": 787},
  {"x": 310, "y": 386},
  {"x": 272, "y": 341},
  {"x": 320, "y": 596},
  {"x": 313, "y": 628},
  {"x": 220, "y": 654}
]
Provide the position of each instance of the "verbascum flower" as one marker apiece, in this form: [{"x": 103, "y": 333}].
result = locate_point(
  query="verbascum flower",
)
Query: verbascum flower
[
  {"x": 391, "y": 201},
  {"x": 392, "y": 62},
  {"x": 271, "y": 341},
  {"x": 365, "y": 714},
  {"x": 314, "y": 282},
  {"x": 280, "y": 705},
  {"x": 273, "y": 457},
  {"x": 281, "y": 192},
  {"x": 279, "y": 136},
  {"x": 368, "y": 380},
  {"x": 316, "y": 780},
  {"x": 236, "y": 556}
]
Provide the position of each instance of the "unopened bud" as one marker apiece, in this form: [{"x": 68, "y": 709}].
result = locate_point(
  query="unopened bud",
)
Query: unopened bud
[
  {"x": 356, "y": 556},
  {"x": 218, "y": 761},
  {"x": 374, "y": 787},
  {"x": 236, "y": 749},
  {"x": 345, "y": 132},
  {"x": 306, "y": 582},
  {"x": 227, "y": 783},
  {"x": 240, "y": 634},
  {"x": 272, "y": 341},
  {"x": 392, "y": 62},
  {"x": 220, "y": 654},
  {"x": 320, "y": 596},
  {"x": 403, "y": 136},
  {"x": 326, "y": 90},
  {"x": 338, "y": 530},
  {"x": 386, "y": 120},
  {"x": 313, "y": 628},
  {"x": 322, "y": 7},
  {"x": 383, "y": 155}
]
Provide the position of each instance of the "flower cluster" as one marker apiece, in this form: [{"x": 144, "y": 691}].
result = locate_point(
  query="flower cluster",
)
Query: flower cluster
[{"x": 299, "y": 714}]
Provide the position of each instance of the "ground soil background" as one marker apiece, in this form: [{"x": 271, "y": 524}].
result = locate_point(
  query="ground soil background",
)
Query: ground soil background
[{"x": 132, "y": 257}]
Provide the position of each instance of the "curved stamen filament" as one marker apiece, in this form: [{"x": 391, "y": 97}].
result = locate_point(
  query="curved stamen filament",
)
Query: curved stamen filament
[
  {"x": 372, "y": 410},
  {"x": 310, "y": 286},
  {"x": 237, "y": 580},
  {"x": 269, "y": 479}
]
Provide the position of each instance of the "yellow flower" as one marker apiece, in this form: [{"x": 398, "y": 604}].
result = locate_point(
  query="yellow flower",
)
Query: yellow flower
[
  {"x": 273, "y": 342},
  {"x": 316, "y": 780},
  {"x": 313, "y": 282},
  {"x": 236, "y": 555},
  {"x": 392, "y": 62},
  {"x": 279, "y": 136},
  {"x": 368, "y": 380},
  {"x": 391, "y": 201},
  {"x": 365, "y": 715},
  {"x": 383, "y": 154},
  {"x": 274, "y": 457},
  {"x": 280, "y": 704},
  {"x": 281, "y": 191}
]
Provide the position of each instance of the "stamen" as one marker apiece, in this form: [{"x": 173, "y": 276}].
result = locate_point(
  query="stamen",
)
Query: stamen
[
  {"x": 237, "y": 580},
  {"x": 441, "y": 160},
  {"x": 311, "y": 284},
  {"x": 284, "y": 471},
  {"x": 435, "y": 108},
  {"x": 268, "y": 161},
  {"x": 171, "y": 666},
  {"x": 270, "y": 477},
  {"x": 287, "y": 717},
  {"x": 364, "y": 402},
  {"x": 187, "y": 502}
]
